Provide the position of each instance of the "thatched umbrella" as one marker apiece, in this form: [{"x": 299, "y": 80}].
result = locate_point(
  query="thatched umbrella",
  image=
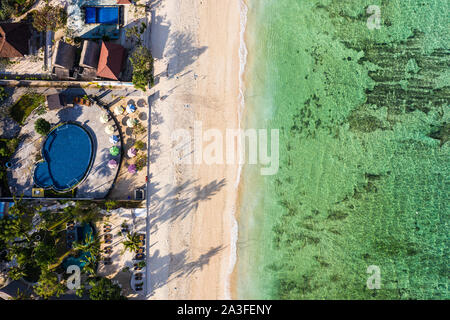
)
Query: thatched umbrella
[
  {"x": 118, "y": 110},
  {"x": 132, "y": 168},
  {"x": 112, "y": 163},
  {"x": 131, "y": 108},
  {"x": 131, "y": 122},
  {"x": 132, "y": 152},
  {"x": 114, "y": 139},
  {"x": 104, "y": 118},
  {"x": 114, "y": 151},
  {"x": 109, "y": 129}
]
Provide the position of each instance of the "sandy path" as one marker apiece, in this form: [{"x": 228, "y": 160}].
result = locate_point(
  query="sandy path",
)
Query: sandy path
[{"x": 196, "y": 45}]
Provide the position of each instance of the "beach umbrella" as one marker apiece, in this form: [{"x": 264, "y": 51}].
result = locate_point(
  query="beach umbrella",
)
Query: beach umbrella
[
  {"x": 109, "y": 129},
  {"x": 104, "y": 118},
  {"x": 131, "y": 122},
  {"x": 118, "y": 110},
  {"x": 114, "y": 139},
  {"x": 131, "y": 108},
  {"x": 132, "y": 168},
  {"x": 132, "y": 152},
  {"x": 112, "y": 163},
  {"x": 114, "y": 151}
]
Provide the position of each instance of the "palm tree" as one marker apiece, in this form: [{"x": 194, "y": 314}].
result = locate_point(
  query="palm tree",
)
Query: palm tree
[
  {"x": 89, "y": 266},
  {"x": 132, "y": 242},
  {"x": 90, "y": 244}
]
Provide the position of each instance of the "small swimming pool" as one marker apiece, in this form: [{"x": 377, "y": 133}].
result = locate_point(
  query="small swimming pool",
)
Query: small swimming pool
[
  {"x": 82, "y": 232},
  {"x": 103, "y": 15},
  {"x": 67, "y": 155}
]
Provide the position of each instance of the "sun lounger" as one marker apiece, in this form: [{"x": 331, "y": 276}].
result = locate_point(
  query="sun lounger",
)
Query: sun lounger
[
  {"x": 139, "y": 256},
  {"x": 137, "y": 268},
  {"x": 138, "y": 276}
]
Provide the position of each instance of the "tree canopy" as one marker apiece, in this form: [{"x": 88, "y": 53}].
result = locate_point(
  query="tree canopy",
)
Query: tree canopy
[
  {"x": 49, "y": 18},
  {"x": 105, "y": 289},
  {"x": 142, "y": 62},
  {"x": 42, "y": 126},
  {"x": 49, "y": 285}
]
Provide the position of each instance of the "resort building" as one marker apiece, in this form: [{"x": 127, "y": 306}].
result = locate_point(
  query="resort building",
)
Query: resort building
[
  {"x": 14, "y": 40},
  {"x": 89, "y": 59},
  {"x": 64, "y": 60},
  {"x": 90, "y": 54},
  {"x": 111, "y": 61}
]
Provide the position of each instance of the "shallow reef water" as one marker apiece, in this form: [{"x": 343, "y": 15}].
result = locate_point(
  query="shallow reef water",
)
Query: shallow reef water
[{"x": 363, "y": 116}]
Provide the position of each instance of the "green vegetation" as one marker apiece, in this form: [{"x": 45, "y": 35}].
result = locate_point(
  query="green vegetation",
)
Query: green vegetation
[
  {"x": 141, "y": 161},
  {"x": 49, "y": 18},
  {"x": 83, "y": 212},
  {"x": 142, "y": 62},
  {"x": 139, "y": 145},
  {"x": 104, "y": 289},
  {"x": 14, "y": 8},
  {"x": 132, "y": 242},
  {"x": 3, "y": 94},
  {"x": 7, "y": 149},
  {"x": 90, "y": 244},
  {"x": 49, "y": 285},
  {"x": 136, "y": 32},
  {"x": 110, "y": 205},
  {"x": 42, "y": 126},
  {"x": 25, "y": 105},
  {"x": 139, "y": 129},
  {"x": 40, "y": 251},
  {"x": 19, "y": 226}
]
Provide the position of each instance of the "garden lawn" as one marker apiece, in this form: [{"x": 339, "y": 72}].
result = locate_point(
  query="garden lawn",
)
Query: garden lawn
[{"x": 25, "y": 105}]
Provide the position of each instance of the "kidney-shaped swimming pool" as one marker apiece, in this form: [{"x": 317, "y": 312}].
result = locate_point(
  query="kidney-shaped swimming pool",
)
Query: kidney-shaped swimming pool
[{"x": 67, "y": 155}]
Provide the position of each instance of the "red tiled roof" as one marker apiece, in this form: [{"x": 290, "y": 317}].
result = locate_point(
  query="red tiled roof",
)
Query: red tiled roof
[
  {"x": 123, "y": 2},
  {"x": 110, "y": 61},
  {"x": 14, "y": 39}
]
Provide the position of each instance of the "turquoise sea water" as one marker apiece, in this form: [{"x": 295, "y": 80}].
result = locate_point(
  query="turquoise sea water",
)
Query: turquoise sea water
[{"x": 364, "y": 154}]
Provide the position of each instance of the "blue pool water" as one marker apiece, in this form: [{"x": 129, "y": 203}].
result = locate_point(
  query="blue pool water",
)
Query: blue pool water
[
  {"x": 104, "y": 15},
  {"x": 80, "y": 261},
  {"x": 4, "y": 206},
  {"x": 67, "y": 154}
]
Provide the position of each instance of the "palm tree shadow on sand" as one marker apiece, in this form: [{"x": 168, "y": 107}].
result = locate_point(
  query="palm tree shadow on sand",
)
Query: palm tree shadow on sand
[
  {"x": 165, "y": 269},
  {"x": 182, "y": 53},
  {"x": 181, "y": 200}
]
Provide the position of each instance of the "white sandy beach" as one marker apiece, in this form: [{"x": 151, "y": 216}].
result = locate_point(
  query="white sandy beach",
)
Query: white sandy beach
[{"x": 196, "y": 47}]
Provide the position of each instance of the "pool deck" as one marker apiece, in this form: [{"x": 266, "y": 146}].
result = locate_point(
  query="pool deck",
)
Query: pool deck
[
  {"x": 76, "y": 20},
  {"x": 99, "y": 179}
]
